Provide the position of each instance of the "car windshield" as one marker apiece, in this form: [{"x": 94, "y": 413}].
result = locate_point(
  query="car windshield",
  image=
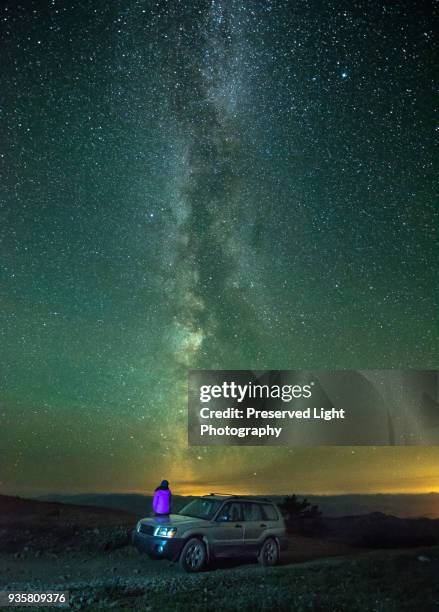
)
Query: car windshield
[{"x": 201, "y": 508}]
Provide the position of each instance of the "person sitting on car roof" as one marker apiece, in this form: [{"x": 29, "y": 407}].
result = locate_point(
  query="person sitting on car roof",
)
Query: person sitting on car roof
[{"x": 161, "y": 503}]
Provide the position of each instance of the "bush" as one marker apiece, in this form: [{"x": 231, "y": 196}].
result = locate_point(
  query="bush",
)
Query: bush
[{"x": 301, "y": 516}]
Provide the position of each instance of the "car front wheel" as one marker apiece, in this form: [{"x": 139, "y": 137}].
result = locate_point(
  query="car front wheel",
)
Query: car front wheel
[
  {"x": 193, "y": 556},
  {"x": 269, "y": 553}
]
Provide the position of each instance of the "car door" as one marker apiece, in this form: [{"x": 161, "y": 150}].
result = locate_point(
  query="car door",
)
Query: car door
[
  {"x": 254, "y": 526},
  {"x": 228, "y": 532}
]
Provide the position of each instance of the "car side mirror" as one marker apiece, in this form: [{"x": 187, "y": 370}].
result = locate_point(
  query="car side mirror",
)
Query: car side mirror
[{"x": 222, "y": 518}]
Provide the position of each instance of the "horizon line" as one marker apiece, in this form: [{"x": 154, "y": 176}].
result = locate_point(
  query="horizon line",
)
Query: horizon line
[{"x": 34, "y": 495}]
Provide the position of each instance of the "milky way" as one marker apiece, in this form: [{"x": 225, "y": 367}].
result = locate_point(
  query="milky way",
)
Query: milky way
[
  {"x": 214, "y": 244},
  {"x": 208, "y": 184}
]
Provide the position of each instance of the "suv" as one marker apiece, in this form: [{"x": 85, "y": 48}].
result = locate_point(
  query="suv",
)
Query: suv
[{"x": 214, "y": 526}]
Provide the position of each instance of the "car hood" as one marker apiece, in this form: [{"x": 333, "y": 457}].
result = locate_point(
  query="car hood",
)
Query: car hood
[{"x": 173, "y": 520}]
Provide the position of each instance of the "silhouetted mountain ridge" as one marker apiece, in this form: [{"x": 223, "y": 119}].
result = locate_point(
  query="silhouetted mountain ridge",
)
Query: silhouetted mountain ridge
[{"x": 399, "y": 505}]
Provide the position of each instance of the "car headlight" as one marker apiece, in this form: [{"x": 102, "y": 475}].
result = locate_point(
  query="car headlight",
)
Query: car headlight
[{"x": 165, "y": 532}]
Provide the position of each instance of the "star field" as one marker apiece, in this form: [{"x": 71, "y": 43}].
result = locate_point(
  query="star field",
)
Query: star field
[{"x": 209, "y": 184}]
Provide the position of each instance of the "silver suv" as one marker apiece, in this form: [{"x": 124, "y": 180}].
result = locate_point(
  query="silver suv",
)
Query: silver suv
[{"x": 214, "y": 526}]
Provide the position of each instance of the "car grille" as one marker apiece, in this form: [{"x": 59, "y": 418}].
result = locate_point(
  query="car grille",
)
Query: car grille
[{"x": 148, "y": 529}]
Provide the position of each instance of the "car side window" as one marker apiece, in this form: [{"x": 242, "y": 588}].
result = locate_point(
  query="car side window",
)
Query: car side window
[
  {"x": 251, "y": 512},
  {"x": 269, "y": 512},
  {"x": 231, "y": 512}
]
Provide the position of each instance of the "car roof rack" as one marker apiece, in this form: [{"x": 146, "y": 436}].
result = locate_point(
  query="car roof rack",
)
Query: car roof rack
[
  {"x": 223, "y": 494},
  {"x": 254, "y": 498},
  {"x": 249, "y": 497}
]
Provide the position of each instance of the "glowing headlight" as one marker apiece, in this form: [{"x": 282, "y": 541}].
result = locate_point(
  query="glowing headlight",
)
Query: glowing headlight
[{"x": 165, "y": 532}]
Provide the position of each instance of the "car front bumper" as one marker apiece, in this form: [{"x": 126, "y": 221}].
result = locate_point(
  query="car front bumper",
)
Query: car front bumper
[{"x": 158, "y": 547}]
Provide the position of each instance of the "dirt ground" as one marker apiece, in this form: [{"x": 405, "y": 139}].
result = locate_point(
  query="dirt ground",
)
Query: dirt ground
[
  {"x": 305, "y": 580},
  {"x": 127, "y": 562}
]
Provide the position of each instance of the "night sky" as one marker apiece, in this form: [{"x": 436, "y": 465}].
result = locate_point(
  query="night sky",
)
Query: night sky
[{"x": 208, "y": 184}]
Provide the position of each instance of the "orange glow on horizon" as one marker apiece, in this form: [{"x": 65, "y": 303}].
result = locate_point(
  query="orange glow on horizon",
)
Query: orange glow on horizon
[{"x": 194, "y": 490}]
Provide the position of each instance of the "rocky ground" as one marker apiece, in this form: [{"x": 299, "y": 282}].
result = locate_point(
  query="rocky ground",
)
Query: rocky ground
[{"x": 388, "y": 581}]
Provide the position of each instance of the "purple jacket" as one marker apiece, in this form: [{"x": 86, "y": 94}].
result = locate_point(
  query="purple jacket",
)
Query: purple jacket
[{"x": 161, "y": 504}]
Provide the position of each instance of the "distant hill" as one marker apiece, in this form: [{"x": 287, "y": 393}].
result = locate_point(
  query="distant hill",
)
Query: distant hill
[
  {"x": 140, "y": 505},
  {"x": 400, "y": 505},
  {"x": 14, "y": 509},
  {"x": 38, "y": 526}
]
